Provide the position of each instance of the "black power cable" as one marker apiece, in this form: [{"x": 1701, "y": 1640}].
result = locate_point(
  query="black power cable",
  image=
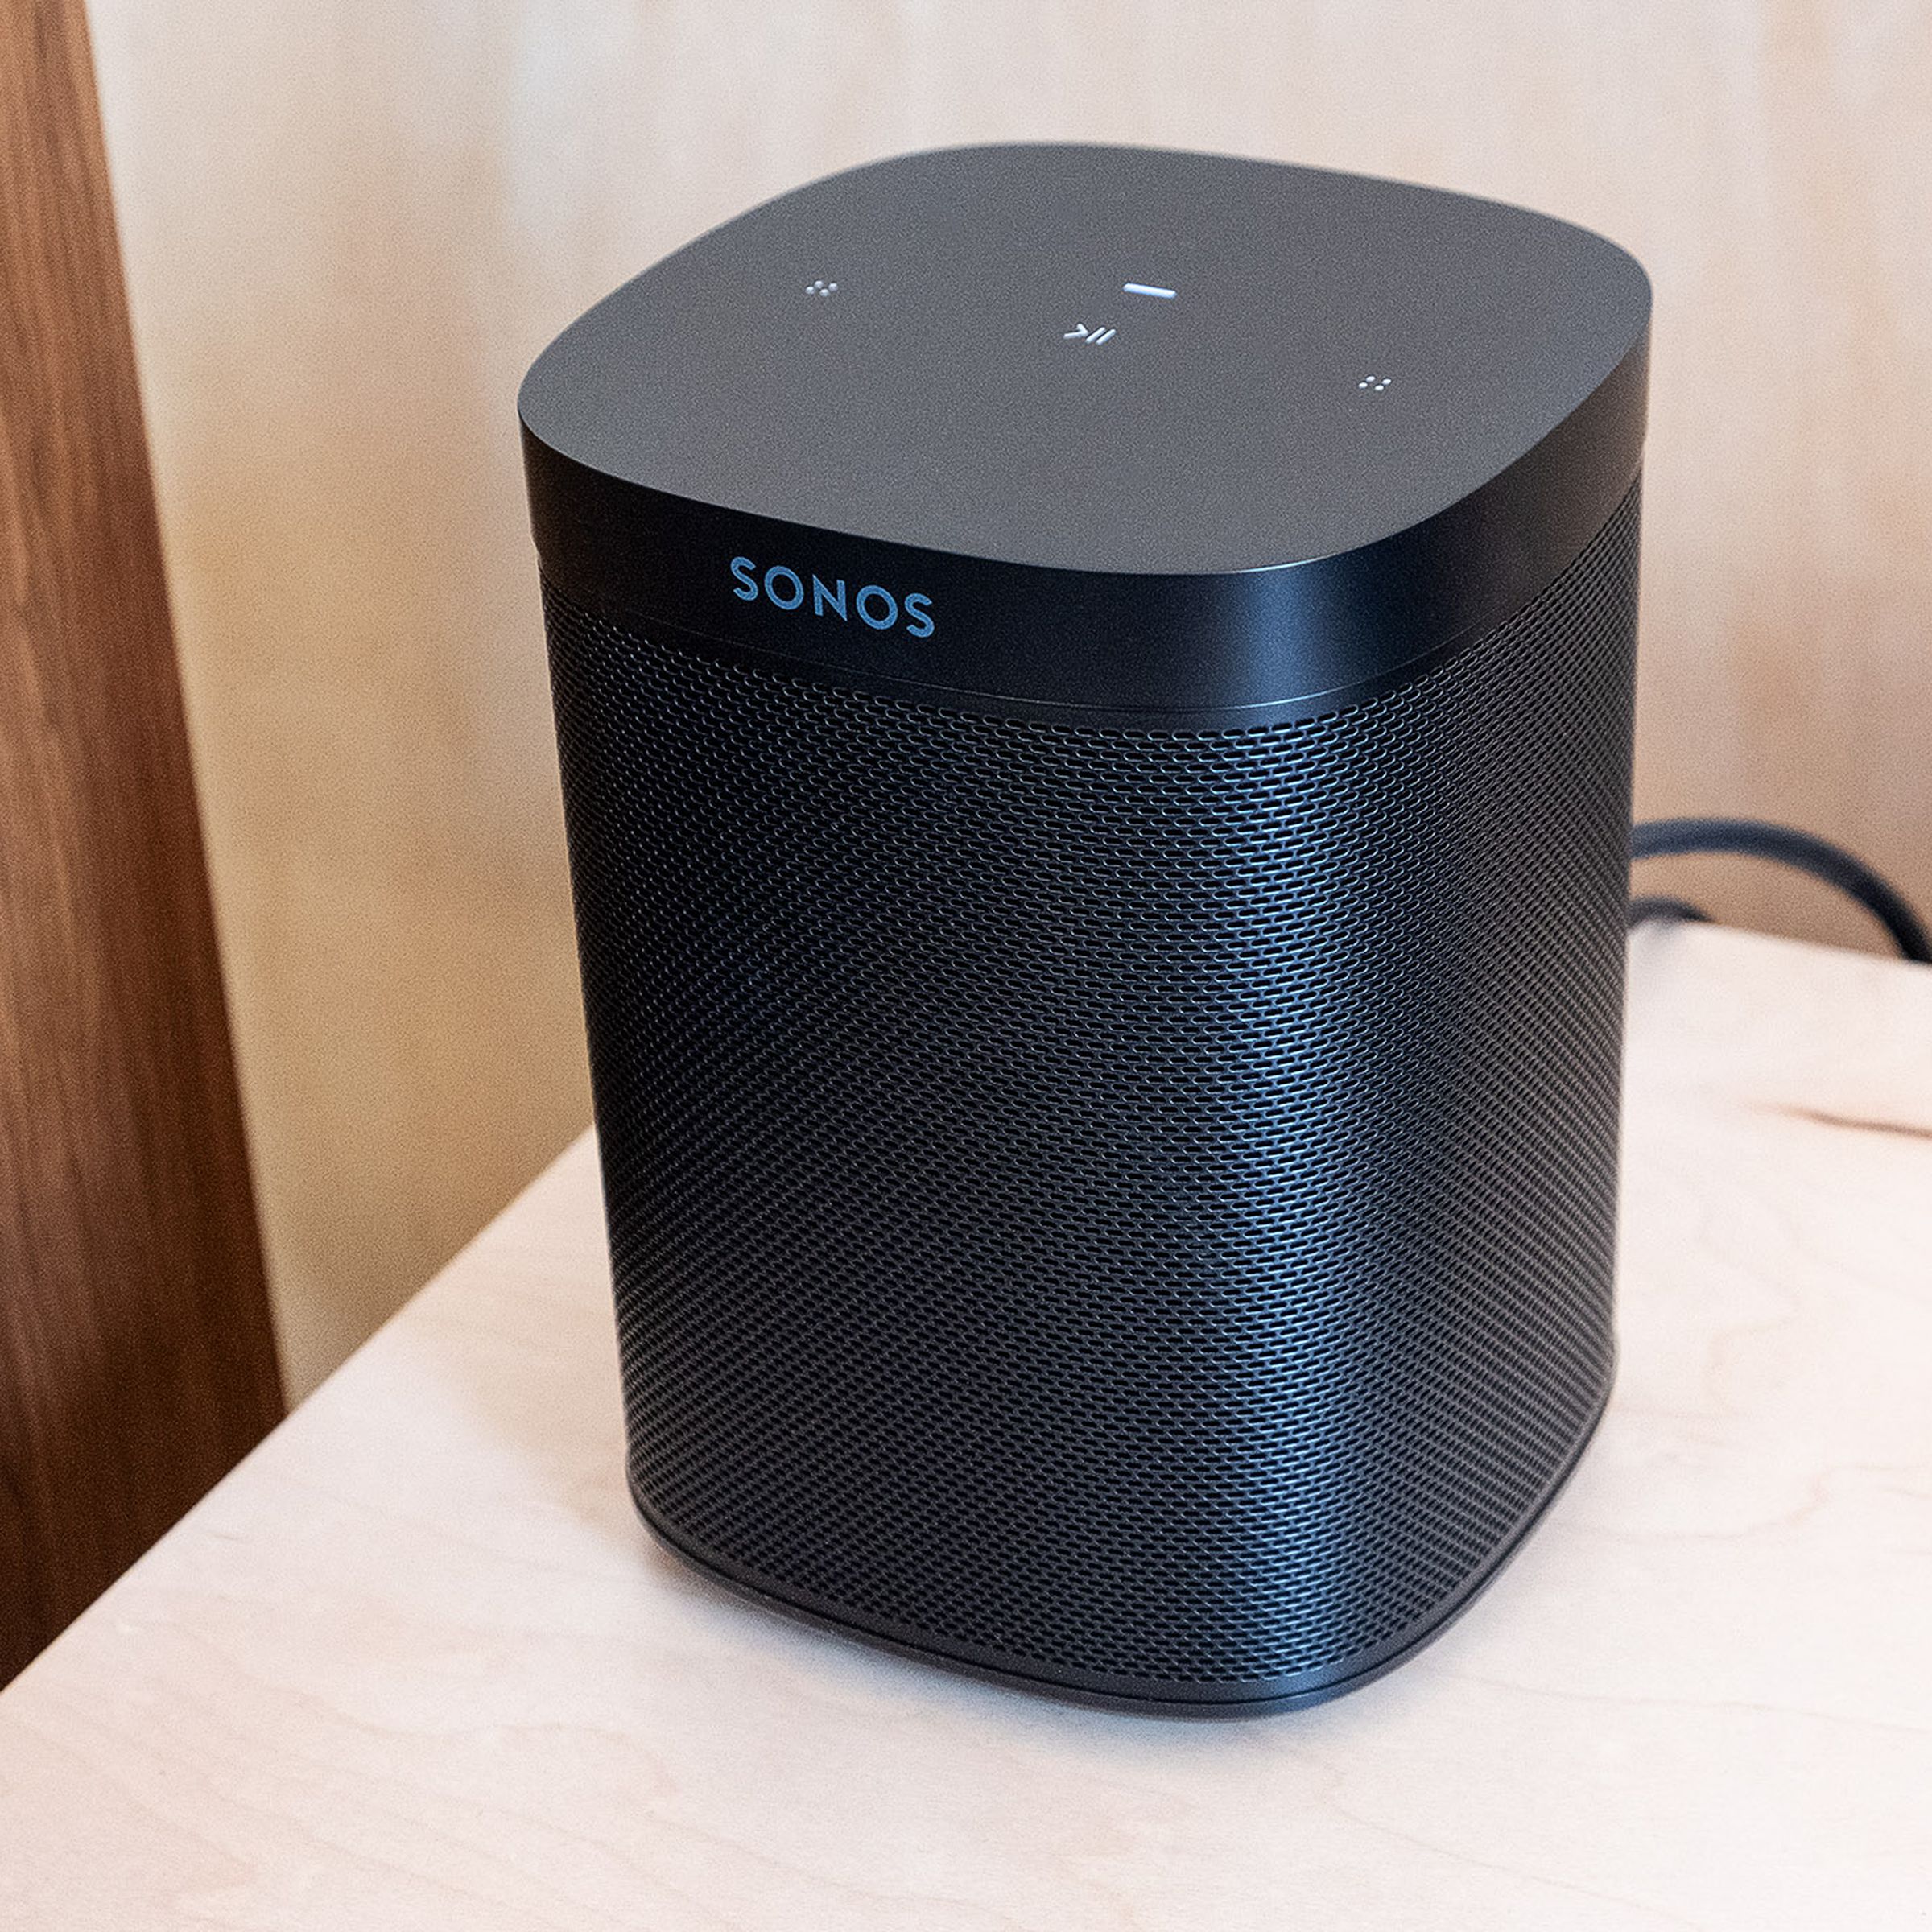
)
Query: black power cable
[
  {"x": 1660, "y": 905},
  {"x": 1757, "y": 838}
]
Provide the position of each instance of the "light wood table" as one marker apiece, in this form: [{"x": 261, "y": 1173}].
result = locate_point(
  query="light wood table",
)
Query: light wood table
[{"x": 415, "y": 1664}]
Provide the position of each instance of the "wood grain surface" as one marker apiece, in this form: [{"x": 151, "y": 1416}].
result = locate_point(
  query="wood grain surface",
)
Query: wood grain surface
[
  {"x": 136, "y": 1358},
  {"x": 351, "y": 223},
  {"x": 416, "y": 1665}
]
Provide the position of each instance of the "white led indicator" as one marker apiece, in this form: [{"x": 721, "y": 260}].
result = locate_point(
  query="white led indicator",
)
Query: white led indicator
[
  {"x": 1375, "y": 385},
  {"x": 1147, "y": 288}
]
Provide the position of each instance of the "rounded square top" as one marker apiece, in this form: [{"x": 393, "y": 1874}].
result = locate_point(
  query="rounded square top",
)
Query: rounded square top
[{"x": 1102, "y": 359}]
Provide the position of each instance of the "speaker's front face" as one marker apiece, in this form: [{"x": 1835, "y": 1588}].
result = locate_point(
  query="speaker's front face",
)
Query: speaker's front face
[{"x": 1124, "y": 1200}]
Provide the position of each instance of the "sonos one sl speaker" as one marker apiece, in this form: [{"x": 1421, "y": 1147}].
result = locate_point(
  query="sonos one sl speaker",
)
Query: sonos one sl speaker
[{"x": 1094, "y": 692}]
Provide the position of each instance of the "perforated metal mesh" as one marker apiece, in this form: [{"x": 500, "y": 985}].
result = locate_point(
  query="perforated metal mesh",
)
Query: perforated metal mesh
[{"x": 1135, "y": 1207}]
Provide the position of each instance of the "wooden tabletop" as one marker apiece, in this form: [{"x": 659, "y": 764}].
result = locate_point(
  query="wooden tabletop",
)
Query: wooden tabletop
[{"x": 416, "y": 1665}]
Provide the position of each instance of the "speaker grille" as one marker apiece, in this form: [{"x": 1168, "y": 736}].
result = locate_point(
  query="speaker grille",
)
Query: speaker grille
[{"x": 1132, "y": 1208}]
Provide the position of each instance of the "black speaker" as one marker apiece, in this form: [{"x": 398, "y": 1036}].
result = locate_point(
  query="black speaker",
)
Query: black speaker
[{"x": 1094, "y": 693}]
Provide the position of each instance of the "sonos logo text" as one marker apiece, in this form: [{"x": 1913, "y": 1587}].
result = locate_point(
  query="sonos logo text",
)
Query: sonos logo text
[{"x": 873, "y": 605}]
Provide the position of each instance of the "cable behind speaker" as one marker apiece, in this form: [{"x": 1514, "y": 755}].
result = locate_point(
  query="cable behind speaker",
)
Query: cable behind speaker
[{"x": 1783, "y": 845}]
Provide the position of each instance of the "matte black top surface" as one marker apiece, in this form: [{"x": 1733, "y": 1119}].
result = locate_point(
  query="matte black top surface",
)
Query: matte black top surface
[
  {"x": 1108, "y": 434},
  {"x": 940, "y": 351}
]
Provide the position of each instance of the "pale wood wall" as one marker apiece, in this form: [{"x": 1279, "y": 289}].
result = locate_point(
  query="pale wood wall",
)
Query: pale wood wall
[{"x": 349, "y": 223}]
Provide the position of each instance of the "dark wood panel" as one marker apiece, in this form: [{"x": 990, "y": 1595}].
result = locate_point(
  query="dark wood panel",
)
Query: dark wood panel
[{"x": 137, "y": 1362}]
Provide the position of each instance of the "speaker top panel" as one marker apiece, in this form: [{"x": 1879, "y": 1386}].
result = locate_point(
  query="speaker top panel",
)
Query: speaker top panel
[{"x": 1113, "y": 363}]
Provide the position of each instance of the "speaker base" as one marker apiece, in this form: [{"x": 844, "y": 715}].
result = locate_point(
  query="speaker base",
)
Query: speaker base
[{"x": 1141, "y": 1698}]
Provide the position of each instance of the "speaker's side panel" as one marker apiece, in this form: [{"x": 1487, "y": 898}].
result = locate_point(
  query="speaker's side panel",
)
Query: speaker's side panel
[{"x": 1130, "y": 1210}]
